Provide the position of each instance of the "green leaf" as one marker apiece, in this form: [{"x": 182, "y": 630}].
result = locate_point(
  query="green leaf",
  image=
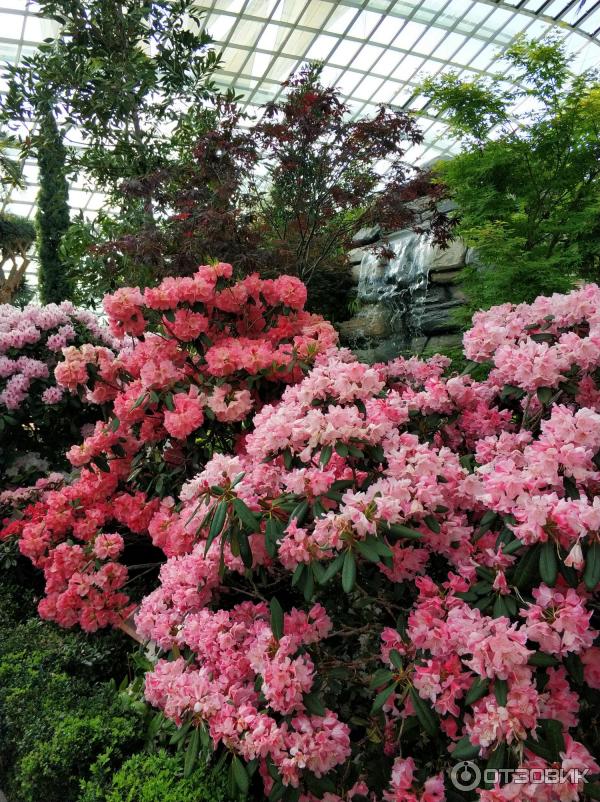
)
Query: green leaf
[
  {"x": 544, "y": 395},
  {"x": 273, "y": 533},
  {"x": 191, "y": 753},
  {"x": 553, "y": 736},
  {"x": 501, "y": 691},
  {"x": 245, "y": 515},
  {"x": 433, "y": 524},
  {"x": 382, "y": 697},
  {"x": 593, "y": 790},
  {"x": 488, "y": 518},
  {"x": 298, "y": 574},
  {"x": 478, "y": 689},
  {"x": 139, "y": 401},
  {"x": 342, "y": 449},
  {"x": 367, "y": 551},
  {"x": 464, "y": 749},
  {"x": 277, "y": 791},
  {"x": 245, "y": 550},
  {"x": 526, "y": 567},
  {"x": 500, "y": 609},
  {"x": 348, "y": 572},
  {"x": 332, "y": 569},
  {"x": 399, "y": 530},
  {"x": 299, "y": 512},
  {"x": 114, "y": 424},
  {"x": 542, "y": 659},
  {"x": 240, "y": 774},
  {"x": 381, "y": 677},
  {"x": 314, "y": 704},
  {"x": 497, "y": 760},
  {"x": 424, "y": 713},
  {"x": 591, "y": 574},
  {"x": 325, "y": 456},
  {"x": 548, "y": 563},
  {"x": 513, "y": 546},
  {"x": 276, "y": 618},
  {"x": 574, "y": 667},
  {"x": 396, "y": 658},
  {"x": 538, "y": 749}
]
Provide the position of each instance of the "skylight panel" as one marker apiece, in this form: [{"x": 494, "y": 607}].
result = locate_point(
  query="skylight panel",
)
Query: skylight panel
[
  {"x": 387, "y": 31},
  {"x": 534, "y": 5},
  {"x": 556, "y": 7},
  {"x": 364, "y": 24},
  {"x": 386, "y": 92},
  {"x": 322, "y": 47},
  {"x": 219, "y": 26},
  {"x": 591, "y": 23},
  {"x": 315, "y": 14},
  {"x": 368, "y": 56},
  {"x": 236, "y": 58},
  {"x": 345, "y": 51},
  {"x": 430, "y": 40},
  {"x": 407, "y": 67},
  {"x": 11, "y": 25},
  {"x": 388, "y": 62},
  {"x": 348, "y": 80},
  {"x": 234, "y": 6},
  {"x": 299, "y": 42},
  {"x": 258, "y": 64},
  {"x": 246, "y": 32},
  {"x": 468, "y": 51},
  {"x": 367, "y": 88},
  {"x": 38, "y": 29},
  {"x": 340, "y": 20},
  {"x": 411, "y": 33},
  {"x": 449, "y": 45},
  {"x": 260, "y": 8},
  {"x": 282, "y": 68}
]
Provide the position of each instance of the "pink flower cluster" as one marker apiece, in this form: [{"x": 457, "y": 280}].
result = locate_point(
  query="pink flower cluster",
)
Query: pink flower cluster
[
  {"x": 432, "y": 541},
  {"x": 31, "y": 341},
  {"x": 165, "y": 389},
  {"x": 244, "y": 676}
]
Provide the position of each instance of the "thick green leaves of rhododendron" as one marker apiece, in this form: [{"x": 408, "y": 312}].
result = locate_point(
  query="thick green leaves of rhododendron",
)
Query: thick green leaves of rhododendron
[{"x": 376, "y": 571}]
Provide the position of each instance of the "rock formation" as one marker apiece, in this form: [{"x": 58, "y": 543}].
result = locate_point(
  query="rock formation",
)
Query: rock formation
[{"x": 407, "y": 295}]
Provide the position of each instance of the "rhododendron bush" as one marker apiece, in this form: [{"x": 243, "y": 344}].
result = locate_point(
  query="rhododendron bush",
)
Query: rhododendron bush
[
  {"x": 206, "y": 352},
  {"x": 390, "y": 569},
  {"x": 36, "y": 415}
]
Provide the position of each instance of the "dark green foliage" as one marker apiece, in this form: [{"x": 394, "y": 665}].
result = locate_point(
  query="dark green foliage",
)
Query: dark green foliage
[
  {"x": 119, "y": 71},
  {"x": 58, "y": 714},
  {"x": 528, "y": 197},
  {"x": 156, "y": 778},
  {"x": 16, "y": 233},
  {"x": 53, "y": 211}
]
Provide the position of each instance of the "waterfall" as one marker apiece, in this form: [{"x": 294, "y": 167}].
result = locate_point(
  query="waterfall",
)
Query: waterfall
[{"x": 398, "y": 282}]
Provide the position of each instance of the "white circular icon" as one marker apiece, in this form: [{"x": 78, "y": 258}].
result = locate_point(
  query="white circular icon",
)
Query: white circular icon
[{"x": 465, "y": 776}]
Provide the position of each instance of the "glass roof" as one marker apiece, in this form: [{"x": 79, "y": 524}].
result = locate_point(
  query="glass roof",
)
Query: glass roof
[{"x": 374, "y": 50}]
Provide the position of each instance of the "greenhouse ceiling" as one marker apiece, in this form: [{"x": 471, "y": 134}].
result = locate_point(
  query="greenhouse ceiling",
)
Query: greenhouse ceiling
[{"x": 374, "y": 50}]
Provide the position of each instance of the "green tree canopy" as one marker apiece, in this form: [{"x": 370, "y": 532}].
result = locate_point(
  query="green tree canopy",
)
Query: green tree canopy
[
  {"x": 120, "y": 72},
  {"x": 527, "y": 183}
]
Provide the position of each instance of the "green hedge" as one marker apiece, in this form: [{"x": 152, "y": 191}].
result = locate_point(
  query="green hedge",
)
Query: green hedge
[
  {"x": 155, "y": 777},
  {"x": 58, "y": 713}
]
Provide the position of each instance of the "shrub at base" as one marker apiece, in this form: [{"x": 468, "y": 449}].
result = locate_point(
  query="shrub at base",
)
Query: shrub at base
[{"x": 157, "y": 778}]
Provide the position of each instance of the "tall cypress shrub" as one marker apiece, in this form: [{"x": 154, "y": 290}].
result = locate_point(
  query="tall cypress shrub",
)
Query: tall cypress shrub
[{"x": 53, "y": 211}]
